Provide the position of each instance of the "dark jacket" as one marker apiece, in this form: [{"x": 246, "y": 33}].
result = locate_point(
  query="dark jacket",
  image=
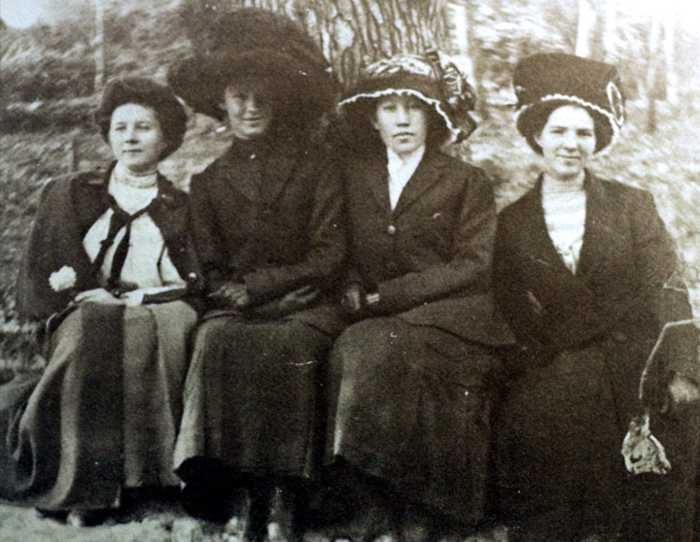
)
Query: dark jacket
[
  {"x": 271, "y": 217},
  {"x": 429, "y": 258},
  {"x": 624, "y": 290},
  {"x": 68, "y": 207}
]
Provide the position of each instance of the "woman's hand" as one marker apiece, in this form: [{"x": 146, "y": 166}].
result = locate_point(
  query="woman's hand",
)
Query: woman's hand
[
  {"x": 356, "y": 301},
  {"x": 682, "y": 390},
  {"x": 298, "y": 299},
  {"x": 234, "y": 294},
  {"x": 98, "y": 295}
]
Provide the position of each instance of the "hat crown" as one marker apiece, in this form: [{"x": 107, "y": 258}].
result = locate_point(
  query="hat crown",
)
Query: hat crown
[{"x": 549, "y": 76}]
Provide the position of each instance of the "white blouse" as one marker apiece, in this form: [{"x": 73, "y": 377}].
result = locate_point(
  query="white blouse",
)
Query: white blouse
[
  {"x": 564, "y": 206},
  {"x": 147, "y": 263},
  {"x": 401, "y": 171}
]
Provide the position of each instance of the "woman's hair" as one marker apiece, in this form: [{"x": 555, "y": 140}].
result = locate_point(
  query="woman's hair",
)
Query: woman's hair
[
  {"x": 148, "y": 93},
  {"x": 532, "y": 121},
  {"x": 362, "y": 137}
]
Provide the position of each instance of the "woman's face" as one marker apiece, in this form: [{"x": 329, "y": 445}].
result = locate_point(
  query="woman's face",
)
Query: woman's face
[
  {"x": 567, "y": 140},
  {"x": 249, "y": 107},
  {"x": 136, "y": 137},
  {"x": 402, "y": 123}
]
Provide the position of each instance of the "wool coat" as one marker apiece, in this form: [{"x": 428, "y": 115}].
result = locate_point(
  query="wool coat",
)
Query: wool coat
[
  {"x": 269, "y": 216},
  {"x": 430, "y": 257},
  {"x": 584, "y": 339},
  {"x": 409, "y": 384},
  {"x": 73, "y": 435}
]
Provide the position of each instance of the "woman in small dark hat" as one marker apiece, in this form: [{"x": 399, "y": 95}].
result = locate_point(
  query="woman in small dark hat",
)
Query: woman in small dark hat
[
  {"x": 410, "y": 378},
  {"x": 586, "y": 274},
  {"x": 267, "y": 225},
  {"x": 107, "y": 280}
]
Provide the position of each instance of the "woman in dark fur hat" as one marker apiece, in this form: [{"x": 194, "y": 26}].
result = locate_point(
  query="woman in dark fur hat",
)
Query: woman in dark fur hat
[
  {"x": 410, "y": 379},
  {"x": 267, "y": 225},
  {"x": 587, "y": 275},
  {"x": 108, "y": 277}
]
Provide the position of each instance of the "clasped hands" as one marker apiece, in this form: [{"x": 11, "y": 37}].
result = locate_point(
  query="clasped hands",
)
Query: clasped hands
[
  {"x": 104, "y": 296},
  {"x": 681, "y": 390},
  {"x": 236, "y": 295}
]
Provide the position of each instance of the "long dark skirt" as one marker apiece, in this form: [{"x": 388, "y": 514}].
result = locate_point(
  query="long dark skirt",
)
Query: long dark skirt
[
  {"x": 560, "y": 469},
  {"x": 104, "y": 414},
  {"x": 408, "y": 404},
  {"x": 252, "y": 398}
]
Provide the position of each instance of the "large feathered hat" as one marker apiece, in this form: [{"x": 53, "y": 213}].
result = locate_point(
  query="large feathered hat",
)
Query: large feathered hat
[
  {"x": 432, "y": 77},
  {"x": 545, "y": 81},
  {"x": 254, "y": 42}
]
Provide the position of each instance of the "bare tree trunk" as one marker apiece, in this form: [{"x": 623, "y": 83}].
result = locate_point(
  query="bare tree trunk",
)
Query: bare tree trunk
[
  {"x": 609, "y": 31},
  {"x": 99, "y": 46},
  {"x": 585, "y": 28},
  {"x": 669, "y": 47},
  {"x": 652, "y": 74},
  {"x": 352, "y": 32}
]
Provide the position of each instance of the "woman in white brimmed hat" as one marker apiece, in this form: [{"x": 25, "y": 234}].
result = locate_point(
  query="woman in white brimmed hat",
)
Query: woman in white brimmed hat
[
  {"x": 585, "y": 272},
  {"x": 409, "y": 379}
]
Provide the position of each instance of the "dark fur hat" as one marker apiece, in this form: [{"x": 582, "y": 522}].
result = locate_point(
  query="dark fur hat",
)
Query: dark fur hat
[
  {"x": 147, "y": 92},
  {"x": 432, "y": 78},
  {"x": 255, "y": 42},
  {"x": 545, "y": 81}
]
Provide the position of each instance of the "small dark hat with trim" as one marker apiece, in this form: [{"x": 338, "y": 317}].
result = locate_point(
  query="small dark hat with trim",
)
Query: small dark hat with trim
[
  {"x": 545, "y": 81},
  {"x": 432, "y": 77},
  {"x": 147, "y": 92},
  {"x": 255, "y": 42}
]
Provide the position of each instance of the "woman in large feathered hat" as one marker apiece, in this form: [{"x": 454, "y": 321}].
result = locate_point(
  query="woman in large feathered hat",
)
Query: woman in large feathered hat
[
  {"x": 586, "y": 274},
  {"x": 409, "y": 377},
  {"x": 266, "y": 218}
]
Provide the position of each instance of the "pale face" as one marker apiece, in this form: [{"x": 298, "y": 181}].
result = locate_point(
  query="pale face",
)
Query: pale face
[
  {"x": 136, "y": 137},
  {"x": 568, "y": 141},
  {"x": 249, "y": 109},
  {"x": 402, "y": 123}
]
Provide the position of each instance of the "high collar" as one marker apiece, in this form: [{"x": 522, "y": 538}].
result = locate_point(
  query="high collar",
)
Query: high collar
[{"x": 250, "y": 149}]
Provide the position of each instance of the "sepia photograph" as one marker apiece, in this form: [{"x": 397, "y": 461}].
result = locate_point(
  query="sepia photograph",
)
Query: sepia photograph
[{"x": 349, "y": 271}]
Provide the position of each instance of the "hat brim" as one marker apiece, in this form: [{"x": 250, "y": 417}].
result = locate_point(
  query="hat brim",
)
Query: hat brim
[
  {"x": 200, "y": 81},
  {"x": 525, "y": 113},
  {"x": 403, "y": 85}
]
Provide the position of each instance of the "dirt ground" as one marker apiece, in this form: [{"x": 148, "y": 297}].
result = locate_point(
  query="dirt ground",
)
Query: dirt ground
[{"x": 149, "y": 522}]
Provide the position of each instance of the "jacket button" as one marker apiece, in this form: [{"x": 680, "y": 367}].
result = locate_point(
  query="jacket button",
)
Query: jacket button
[
  {"x": 619, "y": 336},
  {"x": 391, "y": 229},
  {"x": 392, "y": 267}
]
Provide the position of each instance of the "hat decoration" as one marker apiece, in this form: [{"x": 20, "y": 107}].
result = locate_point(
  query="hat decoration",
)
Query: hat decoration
[
  {"x": 254, "y": 42},
  {"x": 561, "y": 77},
  {"x": 432, "y": 78}
]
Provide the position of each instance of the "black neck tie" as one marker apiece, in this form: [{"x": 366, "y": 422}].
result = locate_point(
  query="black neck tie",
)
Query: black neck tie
[{"x": 119, "y": 219}]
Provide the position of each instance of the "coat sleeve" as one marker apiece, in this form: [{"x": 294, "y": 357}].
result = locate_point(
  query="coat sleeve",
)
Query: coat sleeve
[
  {"x": 470, "y": 267},
  {"x": 327, "y": 244},
  {"x": 54, "y": 242},
  {"x": 663, "y": 288}
]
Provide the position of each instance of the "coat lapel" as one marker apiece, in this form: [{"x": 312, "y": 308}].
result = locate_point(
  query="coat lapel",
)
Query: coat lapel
[
  {"x": 277, "y": 170},
  {"x": 599, "y": 238},
  {"x": 374, "y": 173},
  {"x": 426, "y": 175},
  {"x": 544, "y": 252}
]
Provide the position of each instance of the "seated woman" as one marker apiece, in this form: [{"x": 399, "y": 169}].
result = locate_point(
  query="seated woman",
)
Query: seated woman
[
  {"x": 109, "y": 267},
  {"x": 409, "y": 384},
  {"x": 267, "y": 217},
  {"x": 585, "y": 271}
]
